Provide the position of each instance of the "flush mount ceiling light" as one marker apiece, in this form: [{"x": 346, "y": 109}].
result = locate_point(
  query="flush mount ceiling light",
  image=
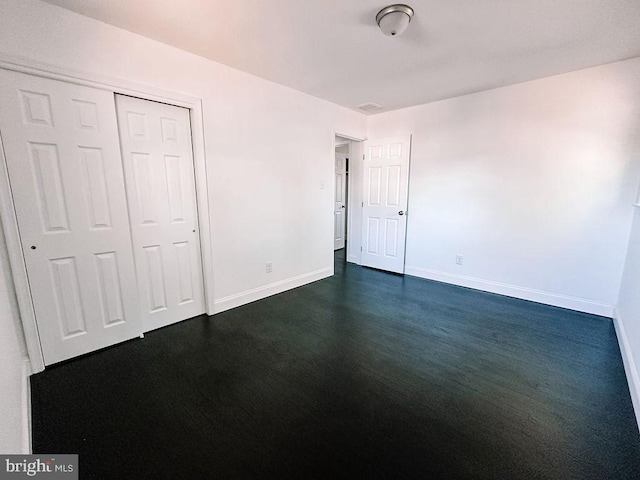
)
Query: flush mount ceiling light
[{"x": 394, "y": 19}]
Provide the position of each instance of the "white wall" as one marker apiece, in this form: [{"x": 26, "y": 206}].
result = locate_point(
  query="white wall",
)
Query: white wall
[
  {"x": 266, "y": 201},
  {"x": 532, "y": 183},
  {"x": 627, "y": 318},
  {"x": 14, "y": 413}
]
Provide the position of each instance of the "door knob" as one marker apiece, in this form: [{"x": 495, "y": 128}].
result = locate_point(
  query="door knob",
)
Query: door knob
[
  {"x": 400, "y": 212},
  {"x": 33, "y": 247},
  {"x": 342, "y": 206}
]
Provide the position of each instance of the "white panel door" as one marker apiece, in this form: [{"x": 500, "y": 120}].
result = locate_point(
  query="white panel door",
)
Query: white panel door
[
  {"x": 384, "y": 206},
  {"x": 63, "y": 157},
  {"x": 340, "y": 210},
  {"x": 159, "y": 173}
]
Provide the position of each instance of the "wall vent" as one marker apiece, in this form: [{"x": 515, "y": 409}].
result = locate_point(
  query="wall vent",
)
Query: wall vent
[{"x": 367, "y": 107}]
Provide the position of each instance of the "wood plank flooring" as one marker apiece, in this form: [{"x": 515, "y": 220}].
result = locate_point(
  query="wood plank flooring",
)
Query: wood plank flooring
[{"x": 365, "y": 375}]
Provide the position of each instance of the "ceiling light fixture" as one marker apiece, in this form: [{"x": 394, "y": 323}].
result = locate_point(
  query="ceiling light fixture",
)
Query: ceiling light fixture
[{"x": 394, "y": 19}]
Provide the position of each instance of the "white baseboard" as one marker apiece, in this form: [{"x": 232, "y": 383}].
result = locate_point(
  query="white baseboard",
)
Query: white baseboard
[
  {"x": 630, "y": 367},
  {"x": 26, "y": 407},
  {"x": 259, "y": 293},
  {"x": 548, "y": 298}
]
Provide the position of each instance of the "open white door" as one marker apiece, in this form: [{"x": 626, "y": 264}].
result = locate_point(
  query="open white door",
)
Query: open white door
[
  {"x": 158, "y": 164},
  {"x": 339, "y": 211},
  {"x": 65, "y": 170},
  {"x": 384, "y": 206}
]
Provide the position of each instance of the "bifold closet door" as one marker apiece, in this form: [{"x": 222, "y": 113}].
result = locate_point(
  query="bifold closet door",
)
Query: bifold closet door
[
  {"x": 159, "y": 173},
  {"x": 63, "y": 157}
]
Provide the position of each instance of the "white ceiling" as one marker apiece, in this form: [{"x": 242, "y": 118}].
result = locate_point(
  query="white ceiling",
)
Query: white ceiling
[{"x": 332, "y": 49}]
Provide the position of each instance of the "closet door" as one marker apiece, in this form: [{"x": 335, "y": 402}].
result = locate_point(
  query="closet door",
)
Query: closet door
[
  {"x": 65, "y": 170},
  {"x": 158, "y": 163}
]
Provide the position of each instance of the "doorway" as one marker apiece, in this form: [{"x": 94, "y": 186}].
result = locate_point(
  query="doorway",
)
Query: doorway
[{"x": 377, "y": 201}]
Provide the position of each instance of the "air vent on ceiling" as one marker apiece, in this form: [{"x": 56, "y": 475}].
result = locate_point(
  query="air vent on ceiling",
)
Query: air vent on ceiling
[{"x": 367, "y": 107}]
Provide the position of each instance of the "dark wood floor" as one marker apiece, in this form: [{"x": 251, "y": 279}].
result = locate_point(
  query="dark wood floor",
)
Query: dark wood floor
[{"x": 365, "y": 375}]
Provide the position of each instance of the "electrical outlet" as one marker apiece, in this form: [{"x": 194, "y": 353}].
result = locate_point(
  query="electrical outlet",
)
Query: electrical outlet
[
  {"x": 459, "y": 259},
  {"x": 269, "y": 267}
]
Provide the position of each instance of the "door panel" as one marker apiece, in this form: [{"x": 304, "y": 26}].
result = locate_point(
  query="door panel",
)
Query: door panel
[
  {"x": 384, "y": 220},
  {"x": 158, "y": 163},
  {"x": 110, "y": 288},
  {"x": 339, "y": 211},
  {"x": 63, "y": 157},
  {"x": 95, "y": 187},
  {"x": 373, "y": 235},
  {"x": 375, "y": 174},
  {"x": 393, "y": 185}
]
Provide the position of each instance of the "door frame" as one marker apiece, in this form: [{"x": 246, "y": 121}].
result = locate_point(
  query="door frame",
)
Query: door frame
[{"x": 8, "y": 214}]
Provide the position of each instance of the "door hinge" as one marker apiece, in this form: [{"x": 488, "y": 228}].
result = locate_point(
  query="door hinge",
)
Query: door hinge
[
  {"x": 363, "y": 156},
  {"x": 362, "y": 204},
  {"x": 360, "y": 248}
]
